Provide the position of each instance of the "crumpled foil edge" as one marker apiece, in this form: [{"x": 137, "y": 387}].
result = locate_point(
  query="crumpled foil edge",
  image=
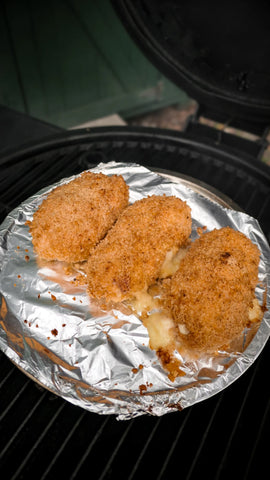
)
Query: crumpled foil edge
[{"x": 97, "y": 346}]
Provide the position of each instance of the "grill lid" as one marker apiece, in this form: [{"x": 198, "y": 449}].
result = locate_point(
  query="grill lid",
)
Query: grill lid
[{"x": 216, "y": 51}]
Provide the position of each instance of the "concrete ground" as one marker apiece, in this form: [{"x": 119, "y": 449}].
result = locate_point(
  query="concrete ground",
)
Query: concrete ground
[
  {"x": 172, "y": 117},
  {"x": 175, "y": 118}
]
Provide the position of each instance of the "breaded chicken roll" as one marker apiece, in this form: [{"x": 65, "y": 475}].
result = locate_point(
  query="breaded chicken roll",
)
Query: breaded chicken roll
[
  {"x": 129, "y": 259},
  {"x": 76, "y": 216},
  {"x": 212, "y": 293}
]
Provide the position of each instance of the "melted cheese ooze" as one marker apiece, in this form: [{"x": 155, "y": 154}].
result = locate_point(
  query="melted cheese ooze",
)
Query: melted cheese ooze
[
  {"x": 143, "y": 303},
  {"x": 255, "y": 313},
  {"x": 161, "y": 330},
  {"x": 172, "y": 262},
  {"x": 161, "y": 327}
]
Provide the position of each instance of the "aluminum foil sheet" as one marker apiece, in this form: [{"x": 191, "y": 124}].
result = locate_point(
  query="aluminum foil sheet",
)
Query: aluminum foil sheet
[{"x": 101, "y": 361}]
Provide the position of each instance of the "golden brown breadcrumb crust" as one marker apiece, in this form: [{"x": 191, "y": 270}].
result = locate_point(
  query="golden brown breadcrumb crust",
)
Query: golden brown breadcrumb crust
[
  {"x": 76, "y": 216},
  {"x": 213, "y": 289},
  {"x": 129, "y": 259}
]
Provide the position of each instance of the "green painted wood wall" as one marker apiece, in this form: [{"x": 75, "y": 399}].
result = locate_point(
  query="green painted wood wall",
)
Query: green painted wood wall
[{"x": 71, "y": 61}]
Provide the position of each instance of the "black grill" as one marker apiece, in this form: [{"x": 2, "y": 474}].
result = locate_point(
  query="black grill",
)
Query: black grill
[{"x": 46, "y": 437}]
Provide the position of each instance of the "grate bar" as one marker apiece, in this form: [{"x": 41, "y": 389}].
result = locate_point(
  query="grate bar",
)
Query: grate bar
[
  {"x": 110, "y": 461},
  {"x": 45, "y": 166},
  {"x": 230, "y": 439},
  {"x": 242, "y": 188},
  {"x": 264, "y": 208},
  {"x": 2, "y": 206},
  {"x": 140, "y": 457},
  {"x": 3, "y": 381},
  {"x": 173, "y": 446},
  {"x": 27, "y": 457},
  {"x": 63, "y": 445},
  {"x": 89, "y": 448},
  {"x": 252, "y": 454},
  {"x": 10, "y": 405},
  {"x": 45, "y": 171},
  {"x": 250, "y": 199},
  {"x": 203, "y": 440},
  {"x": 8, "y": 444}
]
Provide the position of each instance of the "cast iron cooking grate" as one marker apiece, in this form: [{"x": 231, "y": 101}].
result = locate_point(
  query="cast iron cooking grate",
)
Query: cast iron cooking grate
[{"x": 220, "y": 438}]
